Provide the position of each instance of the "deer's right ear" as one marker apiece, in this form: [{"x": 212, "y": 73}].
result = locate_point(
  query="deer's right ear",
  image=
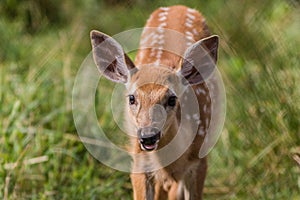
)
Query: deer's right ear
[
  {"x": 200, "y": 60},
  {"x": 110, "y": 58}
]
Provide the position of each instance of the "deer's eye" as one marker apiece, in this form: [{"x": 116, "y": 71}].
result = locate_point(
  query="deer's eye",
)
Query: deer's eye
[
  {"x": 172, "y": 101},
  {"x": 131, "y": 99}
]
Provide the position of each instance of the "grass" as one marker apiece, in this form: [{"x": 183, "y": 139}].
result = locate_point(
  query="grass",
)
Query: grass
[{"x": 41, "y": 156}]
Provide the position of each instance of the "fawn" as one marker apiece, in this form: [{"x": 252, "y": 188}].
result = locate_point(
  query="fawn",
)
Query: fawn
[{"x": 176, "y": 54}]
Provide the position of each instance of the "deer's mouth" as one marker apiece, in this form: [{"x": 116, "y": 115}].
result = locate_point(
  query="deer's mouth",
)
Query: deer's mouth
[
  {"x": 149, "y": 147},
  {"x": 149, "y": 143},
  {"x": 148, "y": 138}
]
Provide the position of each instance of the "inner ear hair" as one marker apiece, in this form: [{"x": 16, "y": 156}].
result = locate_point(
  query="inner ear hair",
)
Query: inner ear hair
[{"x": 110, "y": 57}]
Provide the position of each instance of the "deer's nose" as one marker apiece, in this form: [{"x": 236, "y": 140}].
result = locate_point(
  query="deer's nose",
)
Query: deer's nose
[{"x": 148, "y": 138}]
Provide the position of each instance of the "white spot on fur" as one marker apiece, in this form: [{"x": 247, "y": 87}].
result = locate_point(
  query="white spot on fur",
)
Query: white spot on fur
[
  {"x": 164, "y": 17},
  {"x": 189, "y": 37},
  {"x": 157, "y": 62},
  {"x": 164, "y": 24},
  {"x": 205, "y": 108},
  {"x": 190, "y": 21},
  {"x": 162, "y": 14},
  {"x": 188, "y": 33},
  {"x": 160, "y": 42},
  {"x": 207, "y": 98},
  {"x": 189, "y": 44},
  {"x": 145, "y": 39},
  {"x": 195, "y": 32},
  {"x": 190, "y": 10},
  {"x": 158, "y": 56},
  {"x": 206, "y": 140},
  {"x": 200, "y": 91},
  {"x": 206, "y": 122},
  {"x": 160, "y": 30},
  {"x": 188, "y": 24},
  {"x": 164, "y": 8},
  {"x": 191, "y": 16},
  {"x": 153, "y": 42},
  {"x": 160, "y": 37},
  {"x": 201, "y": 131},
  {"x": 195, "y": 116},
  {"x": 187, "y": 116}
]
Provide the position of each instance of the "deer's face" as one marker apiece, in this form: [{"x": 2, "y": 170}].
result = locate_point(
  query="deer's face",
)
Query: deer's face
[
  {"x": 152, "y": 97},
  {"x": 152, "y": 104}
]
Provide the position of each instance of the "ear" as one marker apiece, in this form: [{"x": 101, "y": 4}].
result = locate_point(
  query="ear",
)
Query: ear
[
  {"x": 110, "y": 58},
  {"x": 200, "y": 60}
]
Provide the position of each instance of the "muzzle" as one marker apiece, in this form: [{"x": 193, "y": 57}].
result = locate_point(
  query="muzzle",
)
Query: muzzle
[{"x": 149, "y": 138}]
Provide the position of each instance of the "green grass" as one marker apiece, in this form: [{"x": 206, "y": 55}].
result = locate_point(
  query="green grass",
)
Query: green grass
[{"x": 259, "y": 62}]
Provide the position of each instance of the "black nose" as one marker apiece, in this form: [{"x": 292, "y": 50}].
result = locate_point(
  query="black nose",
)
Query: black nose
[{"x": 148, "y": 137}]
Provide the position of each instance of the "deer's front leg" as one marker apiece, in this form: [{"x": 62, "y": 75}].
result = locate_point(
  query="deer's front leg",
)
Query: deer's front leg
[
  {"x": 139, "y": 187},
  {"x": 194, "y": 180}
]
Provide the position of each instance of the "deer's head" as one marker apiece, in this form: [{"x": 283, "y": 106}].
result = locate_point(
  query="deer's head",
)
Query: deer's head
[{"x": 153, "y": 91}]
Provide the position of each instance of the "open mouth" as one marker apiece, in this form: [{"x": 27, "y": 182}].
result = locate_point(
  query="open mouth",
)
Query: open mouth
[
  {"x": 149, "y": 143},
  {"x": 149, "y": 147},
  {"x": 148, "y": 138}
]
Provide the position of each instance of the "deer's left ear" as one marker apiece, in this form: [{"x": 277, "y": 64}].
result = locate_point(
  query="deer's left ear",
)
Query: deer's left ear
[
  {"x": 200, "y": 60},
  {"x": 110, "y": 58}
]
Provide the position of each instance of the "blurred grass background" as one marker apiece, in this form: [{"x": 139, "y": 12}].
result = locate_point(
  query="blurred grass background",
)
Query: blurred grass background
[{"x": 43, "y": 43}]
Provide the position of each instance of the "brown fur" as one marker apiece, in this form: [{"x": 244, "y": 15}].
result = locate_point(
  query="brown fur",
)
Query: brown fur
[
  {"x": 158, "y": 74},
  {"x": 188, "y": 168},
  {"x": 175, "y": 21}
]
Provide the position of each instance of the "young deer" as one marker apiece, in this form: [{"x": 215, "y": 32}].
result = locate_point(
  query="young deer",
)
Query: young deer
[{"x": 176, "y": 55}]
